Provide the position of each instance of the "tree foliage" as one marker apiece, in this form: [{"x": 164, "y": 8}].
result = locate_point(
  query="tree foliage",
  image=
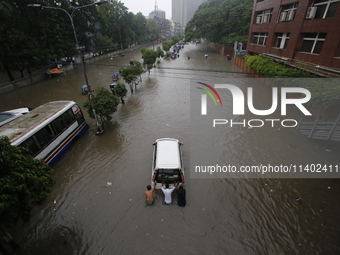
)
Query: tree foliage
[
  {"x": 149, "y": 57},
  {"x": 176, "y": 39},
  {"x": 160, "y": 52},
  {"x": 220, "y": 21},
  {"x": 24, "y": 183},
  {"x": 132, "y": 74},
  {"x": 272, "y": 69},
  {"x": 121, "y": 91},
  {"x": 167, "y": 45},
  {"x": 32, "y": 37},
  {"x": 104, "y": 102}
]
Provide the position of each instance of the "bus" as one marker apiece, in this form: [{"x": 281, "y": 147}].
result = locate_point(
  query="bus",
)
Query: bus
[{"x": 48, "y": 130}]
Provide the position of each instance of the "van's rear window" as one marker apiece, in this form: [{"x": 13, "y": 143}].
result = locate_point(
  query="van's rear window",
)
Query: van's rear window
[{"x": 168, "y": 175}]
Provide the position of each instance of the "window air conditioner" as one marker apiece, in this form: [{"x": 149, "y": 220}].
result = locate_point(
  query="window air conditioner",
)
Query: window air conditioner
[{"x": 311, "y": 12}]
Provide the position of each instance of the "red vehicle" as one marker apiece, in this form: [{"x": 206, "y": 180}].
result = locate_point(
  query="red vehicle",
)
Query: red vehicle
[{"x": 112, "y": 87}]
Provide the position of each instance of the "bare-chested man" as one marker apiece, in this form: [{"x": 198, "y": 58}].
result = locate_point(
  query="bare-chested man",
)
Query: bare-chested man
[{"x": 149, "y": 200}]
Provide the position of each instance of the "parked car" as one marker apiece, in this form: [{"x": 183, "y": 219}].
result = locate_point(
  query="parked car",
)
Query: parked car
[
  {"x": 167, "y": 163},
  {"x": 8, "y": 116}
]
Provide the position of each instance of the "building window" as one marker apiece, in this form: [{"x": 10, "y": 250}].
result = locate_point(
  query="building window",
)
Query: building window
[
  {"x": 288, "y": 12},
  {"x": 322, "y": 9},
  {"x": 312, "y": 42},
  {"x": 263, "y": 17},
  {"x": 282, "y": 40},
  {"x": 260, "y": 38}
]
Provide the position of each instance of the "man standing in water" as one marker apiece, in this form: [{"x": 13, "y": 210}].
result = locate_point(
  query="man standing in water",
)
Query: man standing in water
[
  {"x": 149, "y": 200},
  {"x": 181, "y": 192},
  {"x": 167, "y": 193}
]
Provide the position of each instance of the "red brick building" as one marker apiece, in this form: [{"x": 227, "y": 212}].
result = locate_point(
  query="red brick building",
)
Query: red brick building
[{"x": 305, "y": 30}]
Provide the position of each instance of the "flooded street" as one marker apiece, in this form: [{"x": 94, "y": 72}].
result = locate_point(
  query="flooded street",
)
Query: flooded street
[{"x": 98, "y": 207}]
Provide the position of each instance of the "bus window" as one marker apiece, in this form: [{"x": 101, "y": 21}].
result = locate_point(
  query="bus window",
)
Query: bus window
[
  {"x": 50, "y": 131},
  {"x": 68, "y": 117},
  {"x": 31, "y": 145},
  {"x": 42, "y": 137},
  {"x": 57, "y": 125},
  {"x": 80, "y": 117}
]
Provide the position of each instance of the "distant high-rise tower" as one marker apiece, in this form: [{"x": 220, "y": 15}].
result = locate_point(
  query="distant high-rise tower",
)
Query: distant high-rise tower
[
  {"x": 178, "y": 10},
  {"x": 184, "y": 10},
  {"x": 192, "y": 7}
]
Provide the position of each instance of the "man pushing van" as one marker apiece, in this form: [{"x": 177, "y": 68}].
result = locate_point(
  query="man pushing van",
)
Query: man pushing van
[
  {"x": 167, "y": 193},
  {"x": 149, "y": 199}
]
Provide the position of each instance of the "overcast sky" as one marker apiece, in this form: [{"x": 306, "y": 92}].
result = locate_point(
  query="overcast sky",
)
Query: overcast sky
[{"x": 147, "y": 6}]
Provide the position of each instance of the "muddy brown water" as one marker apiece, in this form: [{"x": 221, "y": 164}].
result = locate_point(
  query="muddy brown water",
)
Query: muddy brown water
[{"x": 97, "y": 205}]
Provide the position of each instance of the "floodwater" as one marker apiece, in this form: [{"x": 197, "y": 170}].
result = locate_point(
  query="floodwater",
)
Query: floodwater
[{"x": 97, "y": 205}]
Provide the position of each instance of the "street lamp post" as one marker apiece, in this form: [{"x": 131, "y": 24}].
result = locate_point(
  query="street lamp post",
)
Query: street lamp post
[{"x": 96, "y": 3}]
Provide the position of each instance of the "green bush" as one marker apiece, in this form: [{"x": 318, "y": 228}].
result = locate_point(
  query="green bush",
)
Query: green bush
[
  {"x": 272, "y": 69},
  {"x": 325, "y": 92}
]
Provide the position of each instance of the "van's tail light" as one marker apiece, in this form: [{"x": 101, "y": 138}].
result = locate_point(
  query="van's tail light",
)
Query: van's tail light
[{"x": 154, "y": 175}]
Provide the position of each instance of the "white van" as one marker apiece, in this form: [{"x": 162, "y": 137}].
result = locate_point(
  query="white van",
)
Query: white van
[{"x": 167, "y": 163}]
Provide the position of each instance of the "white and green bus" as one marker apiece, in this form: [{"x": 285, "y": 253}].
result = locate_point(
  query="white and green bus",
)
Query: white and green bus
[{"x": 48, "y": 130}]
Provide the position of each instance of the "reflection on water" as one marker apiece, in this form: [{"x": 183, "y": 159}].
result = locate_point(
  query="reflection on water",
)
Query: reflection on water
[{"x": 97, "y": 205}]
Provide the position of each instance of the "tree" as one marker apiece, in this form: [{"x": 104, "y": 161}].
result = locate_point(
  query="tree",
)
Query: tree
[
  {"x": 131, "y": 74},
  {"x": 220, "y": 21},
  {"x": 105, "y": 104},
  {"x": 48, "y": 36},
  {"x": 35, "y": 43},
  {"x": 152, "y": 29},
  {"x": 149, "y": 58},
  {"x": 167, "y": 45},
  {"x": 160, "y": 52},
  {"x": 140, "y": 28},
  {"x": 24, "y": 183},
  {"x": 176, "y": 39},
  {"x": 105, "y": 42},
  {"x": 121, "y": 91}
]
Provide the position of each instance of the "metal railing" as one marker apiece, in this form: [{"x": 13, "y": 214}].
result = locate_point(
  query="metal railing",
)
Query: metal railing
[{"x": 322, "y": 130}]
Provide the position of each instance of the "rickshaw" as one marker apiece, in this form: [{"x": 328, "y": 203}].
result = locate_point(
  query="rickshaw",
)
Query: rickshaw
[
  {"x": 84, "y": 89},
  {"x": 115, "y": 76},
  {"x": 112, "y": 87}
]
